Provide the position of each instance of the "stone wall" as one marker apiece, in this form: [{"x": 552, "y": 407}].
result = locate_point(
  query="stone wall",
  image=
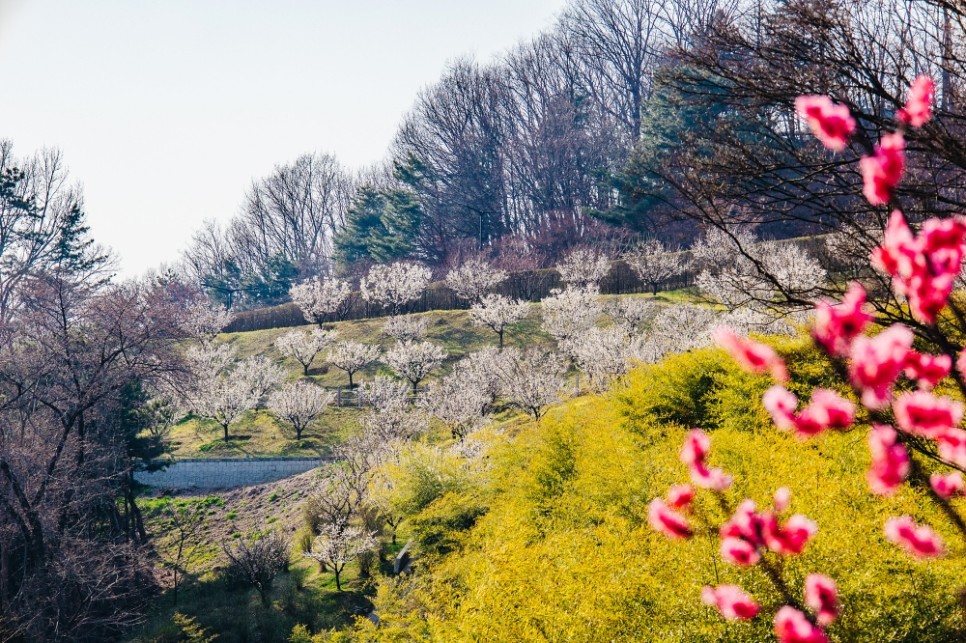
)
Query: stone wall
[{"x": 226, "y": 473}]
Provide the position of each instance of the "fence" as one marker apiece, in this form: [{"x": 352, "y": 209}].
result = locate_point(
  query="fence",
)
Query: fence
[
  {"x": 346, "y": 397},
  {"x": 529, "y": 285}
]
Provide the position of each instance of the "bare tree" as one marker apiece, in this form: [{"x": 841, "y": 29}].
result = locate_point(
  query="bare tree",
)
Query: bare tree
[{"x": 256, "y": 560}]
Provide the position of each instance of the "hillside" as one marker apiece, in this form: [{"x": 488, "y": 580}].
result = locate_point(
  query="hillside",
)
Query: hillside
[{"x": 543, "y": 535}]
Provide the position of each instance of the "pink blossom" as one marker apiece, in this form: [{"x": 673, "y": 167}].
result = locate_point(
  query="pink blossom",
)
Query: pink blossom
[
  {"x": 947, "y": 486},
  {"x": 781, "y": 404},
  {"x": 918, "y": 109},
  {"x": 831, "y": 123},
  {"x": 740, "y": 552},
  {"x": 821, "y": 596},
  {"x": 961, "y": 365},
  {"x": 782, "y": 499},
  {"x": 665, "y": 520},
  {"x": 836, "y": 325},
  {"x": 751, "y": 355},
  {"x": 923, "y": 268},
  {"x": 826, "y": 410},
  {"x": 731, "y": 602},
  {"x": 890, "y": 461},
  {"x": 927, "y": 370},
  {"x": 745, "y": 524},
  {"x": 789, "y": 538},
  {"x": 918, "y": 540},
  {"x": 899, "y": 251},
  {"x": 876, "y": 363},
  {"x": 882, "y": 171},
  {"x": 925, "y": 414},
  {"x": 952, "y": 447},
  {"x": 791, "y": 626},
  {"x": 680, "y": 496},
  {"x": 693, "y": 454}
]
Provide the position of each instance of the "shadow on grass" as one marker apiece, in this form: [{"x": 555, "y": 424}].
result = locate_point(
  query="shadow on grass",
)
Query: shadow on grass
[{"x": 299, "y": 596}]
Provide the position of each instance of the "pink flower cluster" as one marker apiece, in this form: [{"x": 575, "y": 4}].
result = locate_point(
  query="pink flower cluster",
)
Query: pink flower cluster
[
  {"x": 918, "y": 109},
  {"x": 694, "y": 454},
  {"x": 826, "y": 410},
  {"x": 749, "y": 532},
  {"x": 882, "y": 171},
  {"x": 753, "y": 356},
  {"x": 745, "y": 537},
  {"x": 919, "y": 540},
  {"x": 923, "y": 267},
  {"x": 831, "y": 123}
]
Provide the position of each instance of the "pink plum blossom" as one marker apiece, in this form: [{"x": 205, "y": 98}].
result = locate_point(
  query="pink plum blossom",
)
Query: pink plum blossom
[
  {"x": 752, "y": 356},
  {"x": 781, "y": 404},
  {"x": 680, "y": 496},
  {"x": 791, "y": 626},
  {"x": 925, "y": 414},
  {"x": 826, "y": 410},
  {"x": 731, "y": 602},
  {"x": 836, "y": 325},
  {"x": 876, "y": 363},
  {"x": 919, "y": 540},
  {"x": 745, "y": 523},
  {"x": 927, "y": 370},
  {"x": 952, "y": 447},
  {"x": 918, "y": 109},
  {"x": 830, "y": 122},
  {"x": 693, "y": 454},
  {"x": 782, "y": 499},
  {"x": 947, "y": 486},
  {"x": 821, "y": 596},
  {"x": 882, "y": 171},
  {"x": 789, "y": 538},
  {"x": 665, "y": 520},
  {"x": 740, "y": 552},
  {"x": 890, "y": 461}
]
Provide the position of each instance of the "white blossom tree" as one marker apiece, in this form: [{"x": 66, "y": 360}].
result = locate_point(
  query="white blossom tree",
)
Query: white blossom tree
[
  {"x": 299, "y": 404},
  {"x": 630, "y": 312},
  {"x": 740, "y": 271},
  {"x": 352, "y": 357},
  {"x": 304, "y": 346},
  {"x": 404, "y": 328},
  {"x": 532, "y": 379},
  {"x": 474, "y": 279},
  {"x": 391, "y": 418},
  {"x": 677, "y": 329},
  {"x": 569, "y": 313},
  {"x": 203, "y": 321},
  {"x": 394, "y": 285},
  {"x": 414, "y": 360},
  {"x": 497, "y": 312},
  {"x": 225, "y": 392},
  {"x": 338, "y": 545},
  {"x": 321, "y": 298},
  {"x": 603, "y": 353},
  {"x": 584, "y": 267},
  {"x": 653, "y": 263},
  {"x": 208, "y": 360},
  {"x": 460, "y": 404}
]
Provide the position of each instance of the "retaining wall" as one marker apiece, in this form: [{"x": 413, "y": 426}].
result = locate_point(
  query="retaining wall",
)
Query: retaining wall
[{"x": 226, "y": 473}]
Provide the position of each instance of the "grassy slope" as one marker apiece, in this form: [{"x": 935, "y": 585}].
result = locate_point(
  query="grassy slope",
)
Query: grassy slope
[{"x": 258, "y": 434}]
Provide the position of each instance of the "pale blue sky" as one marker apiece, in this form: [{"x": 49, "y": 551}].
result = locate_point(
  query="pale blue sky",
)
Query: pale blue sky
[{"x": 166, "y": 109}]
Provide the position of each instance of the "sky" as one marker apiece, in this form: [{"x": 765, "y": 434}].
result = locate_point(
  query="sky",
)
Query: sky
[{"x": 166, "y": 110}]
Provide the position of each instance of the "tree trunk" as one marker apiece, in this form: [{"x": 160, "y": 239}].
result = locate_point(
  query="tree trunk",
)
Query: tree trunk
[
  {"x": 338, "y": 580},
  {"x": 225, "y": 427}
]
